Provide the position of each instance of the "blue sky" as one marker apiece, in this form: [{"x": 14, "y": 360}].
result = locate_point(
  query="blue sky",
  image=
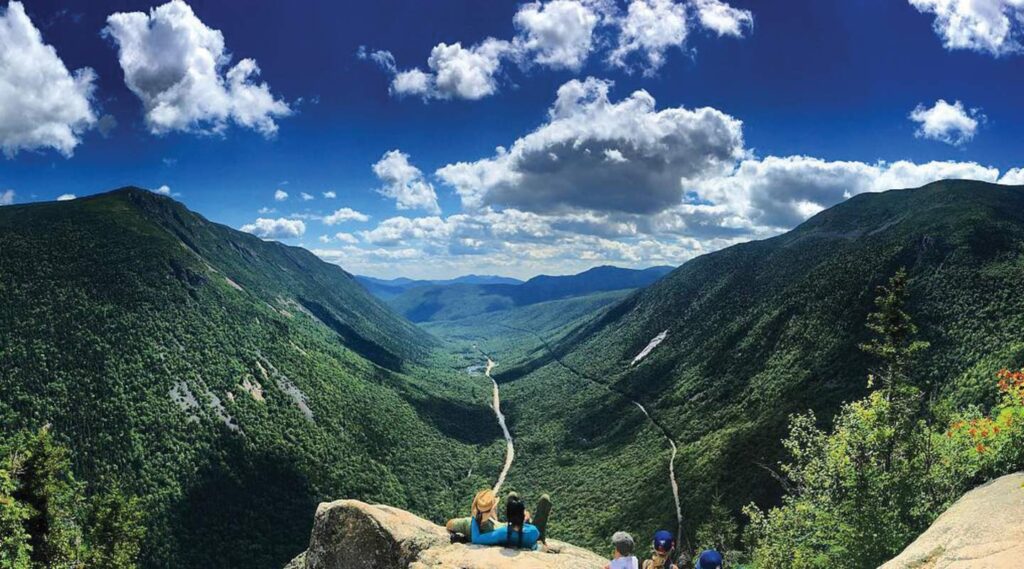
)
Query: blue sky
[{"x": 714, "y": 123}]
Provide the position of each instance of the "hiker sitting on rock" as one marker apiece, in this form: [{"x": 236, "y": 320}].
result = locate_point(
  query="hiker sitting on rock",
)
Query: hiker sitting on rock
[
  {"x": 622, "y": 554},
  {"x": 483, "y": 527},
  {"x": 484, "y": 510}
]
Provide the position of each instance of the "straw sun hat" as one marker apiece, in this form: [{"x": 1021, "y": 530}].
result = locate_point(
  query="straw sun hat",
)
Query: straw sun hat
[{"x": 484, "y": 502}]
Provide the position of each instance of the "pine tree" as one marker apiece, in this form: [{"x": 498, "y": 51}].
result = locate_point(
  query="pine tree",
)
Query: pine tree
[
  {"x": 894, "y": 343},
  {"x": 48, "y": 490},
  {"x": 114, "y": 532},
  {"x": 14, "y": 547}
]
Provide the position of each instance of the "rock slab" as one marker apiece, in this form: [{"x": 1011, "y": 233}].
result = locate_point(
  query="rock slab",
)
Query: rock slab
[
  {"x": 984, "y": 529},
  {"x": 349, "y": 534}
]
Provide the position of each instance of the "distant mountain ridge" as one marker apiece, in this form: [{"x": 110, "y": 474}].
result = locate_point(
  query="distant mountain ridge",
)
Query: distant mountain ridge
[
  {"x": 386, "y": 288},
  {"x": 462, "y": 300}
]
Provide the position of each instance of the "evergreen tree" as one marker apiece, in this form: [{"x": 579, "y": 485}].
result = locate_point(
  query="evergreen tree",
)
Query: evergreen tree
[
  {"x": 14, "y": 547},
  {"x": 895, "y": 343},
  {"x": 114, "y": 532},
  {"x": 861, "y": 491},
  {"x": 48, "y": 490}
]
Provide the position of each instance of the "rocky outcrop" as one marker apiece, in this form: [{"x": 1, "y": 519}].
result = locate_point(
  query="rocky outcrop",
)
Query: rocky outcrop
[
  {"x": 349, "y": 534},
  {"x": 983, "y": 530}
]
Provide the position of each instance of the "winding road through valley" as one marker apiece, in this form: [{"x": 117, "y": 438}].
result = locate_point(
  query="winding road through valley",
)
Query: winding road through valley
[
  {"x": 657, "y": 424},
  {"x": 510, "y": 451}
]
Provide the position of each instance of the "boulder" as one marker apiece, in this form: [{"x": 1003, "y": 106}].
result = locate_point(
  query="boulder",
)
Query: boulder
[
  {"x": 349, "y": 534},
  {"x": 984, "y": 529}
]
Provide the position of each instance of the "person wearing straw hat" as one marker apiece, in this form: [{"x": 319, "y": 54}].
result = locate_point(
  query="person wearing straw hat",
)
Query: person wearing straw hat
[{"x": 484, "y": 510}]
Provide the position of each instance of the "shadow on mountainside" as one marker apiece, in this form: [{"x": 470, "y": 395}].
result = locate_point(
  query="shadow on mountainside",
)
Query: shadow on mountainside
[{"x": 245, "y": 511}]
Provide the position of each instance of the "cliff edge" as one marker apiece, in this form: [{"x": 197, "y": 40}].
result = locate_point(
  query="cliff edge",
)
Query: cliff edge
[{"x": 984, "y": 529}]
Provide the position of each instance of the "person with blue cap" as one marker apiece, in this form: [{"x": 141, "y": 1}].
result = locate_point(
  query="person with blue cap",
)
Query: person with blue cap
[
  {"x": 710, "y": 559},
  {"x": 663, "y": 545}
]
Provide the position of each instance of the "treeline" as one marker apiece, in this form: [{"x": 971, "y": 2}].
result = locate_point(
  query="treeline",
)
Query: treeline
[
  {"x": 858, "y": 493},
  {"x": 49, "y": 520}
]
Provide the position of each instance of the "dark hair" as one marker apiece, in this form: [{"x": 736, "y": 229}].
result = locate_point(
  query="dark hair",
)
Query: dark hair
[{"x": 515, "y": 513}]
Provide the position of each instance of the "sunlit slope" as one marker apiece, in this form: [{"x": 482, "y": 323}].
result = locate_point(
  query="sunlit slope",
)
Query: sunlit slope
[
  {"x": 231, "y": 382},
  {"x": 756, "y": 332}
]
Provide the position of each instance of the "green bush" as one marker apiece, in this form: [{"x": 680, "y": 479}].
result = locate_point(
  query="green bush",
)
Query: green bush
[
  {"x": 858, "y": 494},
  {"x": 46, "y": 520}
]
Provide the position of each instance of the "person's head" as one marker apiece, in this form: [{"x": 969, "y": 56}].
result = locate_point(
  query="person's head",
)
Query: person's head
[
  {"x": 623, "y": 544},
  {"x": 710, "y": 559},
  {"x": 663, "y": 542},
  {"x": 485, "y": 503},
  {"x": 515, "y": 511},
  {"x": 515, "y": 515}
]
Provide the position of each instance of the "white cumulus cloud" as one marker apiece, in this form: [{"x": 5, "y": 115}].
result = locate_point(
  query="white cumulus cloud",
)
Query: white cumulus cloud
[
  {"x": 562, "y": 35},
  {"x": 992, "y": 26},
  {"x": 7, "y": 197},
  {"x": 650, "y": 28},
  {"x": 330, "y": 195},
  {"x": 600, "y": 155},
  {"x": 1013, "y": 177},
  {"x": 722, "y": 18},
  {"x": 405, "y": 183},
  {"x": 178, "y": 67},
  {"x": 345, "y": 214},
  {"x": 953, "y": 124},
  {"x": 306, "y": 197},
  {"x": 65, "y": 197},
  {"x": 346, "y": 238},
  {"x": 467, "y": 73},
  {"x": 280, "y": 195},
  {"x": 412, "y": 82},
  {"x": 164, "y": 190},
  {"x": 559, "y": 34},
  {"x": 42, "y": 104},
  {"x": 780, "y": 192},
  {"x": 281, "y": 228}
]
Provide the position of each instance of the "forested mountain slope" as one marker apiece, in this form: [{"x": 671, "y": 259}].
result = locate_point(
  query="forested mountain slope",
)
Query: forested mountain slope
[
  {"x": 463, "y": 300},
  {"x": 754, "y": 333},
  {"x": 230, "y": 382}
]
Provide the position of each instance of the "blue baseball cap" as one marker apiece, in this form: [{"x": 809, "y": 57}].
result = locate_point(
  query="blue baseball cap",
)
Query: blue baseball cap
[
  {"x": 663, "y": 541},
  {"x": 710, "y": 559}
]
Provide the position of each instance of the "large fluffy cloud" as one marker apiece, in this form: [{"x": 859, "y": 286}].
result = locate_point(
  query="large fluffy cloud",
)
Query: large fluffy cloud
[
  {"x": 178, "y": 67},
  {"x": 599, "y": 155},
  {"x": 992, "y": 26},
  {"x": 953, "y": 124},
  {"x": 42, "y": 104},
  {"x": 405, "y": 183},
  {"x": 281, "y": 228},
  {"x": 6, "y": 197}
]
